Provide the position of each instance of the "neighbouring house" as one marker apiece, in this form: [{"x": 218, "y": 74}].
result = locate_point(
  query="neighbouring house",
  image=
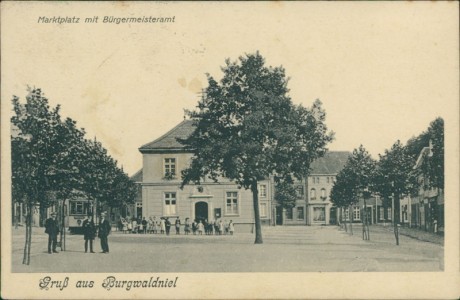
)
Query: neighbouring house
[
  {"x": 135, "y": 210},
  {"x": 426, "y": 210},
  {"x": 320, "y": 209}
]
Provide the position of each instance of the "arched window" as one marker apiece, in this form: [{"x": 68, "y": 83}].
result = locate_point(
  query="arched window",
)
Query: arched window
[
  {"x": 312, "y": 194},
  {"x": 323, "y": 194}
]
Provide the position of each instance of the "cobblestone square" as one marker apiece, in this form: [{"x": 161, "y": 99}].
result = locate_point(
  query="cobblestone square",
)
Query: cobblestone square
[{"x": 285, "y": 249}]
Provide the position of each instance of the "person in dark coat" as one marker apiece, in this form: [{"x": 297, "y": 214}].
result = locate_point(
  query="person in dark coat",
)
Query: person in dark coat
[
  {"x": 89, "y": 232},
  {"x": 168, "y": 225},
  {"x": 52, "y": 229},
  {"x": 104, "y": 231},
  {"x": 177, "y": 225}
]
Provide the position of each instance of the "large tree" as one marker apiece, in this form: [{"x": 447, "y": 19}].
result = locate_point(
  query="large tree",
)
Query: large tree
[
  {"x": 354, "y": 180},
  {"x": 395, "y": 178},
  {"x": 247, "y": 128}
]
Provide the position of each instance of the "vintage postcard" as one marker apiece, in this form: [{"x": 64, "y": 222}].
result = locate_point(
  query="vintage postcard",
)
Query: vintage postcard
[{"x": 230, "y": 150}]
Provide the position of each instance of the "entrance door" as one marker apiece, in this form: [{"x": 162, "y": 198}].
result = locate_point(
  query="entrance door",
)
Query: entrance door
[
  {"x": 201, "y": 211},
  {"x": 279, "y": 215},
  {"x": 333, "y": 216}
]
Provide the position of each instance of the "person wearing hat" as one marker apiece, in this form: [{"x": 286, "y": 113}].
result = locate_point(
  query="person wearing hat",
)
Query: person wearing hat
[
  {"x": 52, "y": 229},
  {"x": 104, "y": 231},
  {"x": 89, "y": 232}
]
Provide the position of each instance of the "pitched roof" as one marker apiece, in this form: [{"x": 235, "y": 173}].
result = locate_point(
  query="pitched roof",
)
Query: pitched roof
[
  {"x": 137, "y": 177},
  {"x": 331, "y": 163},
  {"x": 168, "y": 141}
]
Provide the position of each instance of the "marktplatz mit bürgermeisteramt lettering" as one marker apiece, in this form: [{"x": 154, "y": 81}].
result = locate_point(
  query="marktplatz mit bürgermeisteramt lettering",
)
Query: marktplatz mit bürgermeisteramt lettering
[{"x": 107, "y": 19}]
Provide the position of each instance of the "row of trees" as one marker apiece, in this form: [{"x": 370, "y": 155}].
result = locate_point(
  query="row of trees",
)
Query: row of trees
[
  {"x": 393, "y": 175},
  {"x": 53, "y": 161}
]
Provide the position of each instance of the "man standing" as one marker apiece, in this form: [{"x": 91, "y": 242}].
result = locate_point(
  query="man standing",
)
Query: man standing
[
  {"x": 52, "y": 229},
  {"x": 168, "y": 226},
  {"x": 177, "y": 224},
  {"x": 104, "y": 231},
  {"x": 89, "y": 232}
]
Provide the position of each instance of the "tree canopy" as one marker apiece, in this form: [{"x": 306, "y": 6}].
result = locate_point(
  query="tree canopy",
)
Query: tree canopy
[
  {"x": 355, "y": 179},
  {"x": 285, "y": 194},
  {"x": 247, "y": 128}
]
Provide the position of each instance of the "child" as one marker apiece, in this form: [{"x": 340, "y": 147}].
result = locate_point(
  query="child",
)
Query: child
[
  {"x": 231, "y": 228},
  {"x": 187, "y": 226},
  {"x": 200, "y": 228},
  {"x": 194, "y": 227},
  {"x": 124, "y": 225},
  {"x": 130, "y": 226}
]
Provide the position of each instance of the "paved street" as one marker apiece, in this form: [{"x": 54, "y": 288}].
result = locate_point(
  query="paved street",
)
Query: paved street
[{"x": 285, "y": 249}]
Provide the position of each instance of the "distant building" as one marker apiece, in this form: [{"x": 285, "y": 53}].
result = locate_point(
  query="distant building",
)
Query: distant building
[
  {"x": 427, "y": 209},
  {"x": 314, "y": 206},
  {"x": 135, "y": 210},
  {"x": 320, "y": 209}
]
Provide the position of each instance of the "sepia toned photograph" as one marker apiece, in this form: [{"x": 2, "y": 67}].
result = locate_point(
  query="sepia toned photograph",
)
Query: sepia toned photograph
[{"x": 192, "y": 150}]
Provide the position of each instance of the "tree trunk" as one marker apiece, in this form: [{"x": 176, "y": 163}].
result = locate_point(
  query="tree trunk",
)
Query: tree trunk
[
  {"x": 350, "y": 214},
  {"x": 396, "y": 217},
  {"x": 365, "y": 222},
  {"x": 255, "y": 198},
  {"x": 24, "y": 258},
  {"x": 28, "y": 240},
  {"x": 29, "y": 246}
]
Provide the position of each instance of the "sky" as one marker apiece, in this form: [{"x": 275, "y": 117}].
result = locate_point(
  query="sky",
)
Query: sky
[{"x": 383, "y": 70}]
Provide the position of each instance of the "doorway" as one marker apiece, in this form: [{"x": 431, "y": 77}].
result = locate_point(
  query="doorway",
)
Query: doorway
[
  {"x": 279, "y": 215},
  {"x": 201, "y": 211},
  {"x": 333, "y": 216}
]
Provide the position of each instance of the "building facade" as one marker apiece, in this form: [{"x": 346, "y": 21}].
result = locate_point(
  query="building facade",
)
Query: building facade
[
  {"x": 320, "y": 209},
  {"x": 165, "y": 158},
  {"x": 162, "y": 196}
]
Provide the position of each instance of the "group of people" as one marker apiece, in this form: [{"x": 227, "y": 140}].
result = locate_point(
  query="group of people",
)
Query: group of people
[
  {"x": 152, "y": 225},
  {"x": 163, "y": 226},
  {"x": 217, "y": 227},
  {"x": 89, "y": 233}
]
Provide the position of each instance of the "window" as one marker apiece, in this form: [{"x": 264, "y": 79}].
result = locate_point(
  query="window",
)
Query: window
[
  {"x": 263, "y": 191},
  {"x": 312, "y": 194},
  {"x": 170, "y": 204},
  {"x": 346, "y": 215},
  {"x": 300, "y": 214},
  {"x": 299, "y": 191},
  {"x": 323, "y": 194},
  {"x": 289, "y": 213},
  {"x": 319, "y": 214},
  {"x": 404, "y": 213},
  {"x": 76, "y": 208},
  {"x": 231, "y": 207},
  {"x": 317, "y": 179},
  {"x": 356, "y": 213},
  {"x": 139, "y": 209},
  {"x": 328, "y": 179},
  {"x": 263, "y": 210},
  {"x": 389, "y": 213},
  {"x": 170, "y": 167}
]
